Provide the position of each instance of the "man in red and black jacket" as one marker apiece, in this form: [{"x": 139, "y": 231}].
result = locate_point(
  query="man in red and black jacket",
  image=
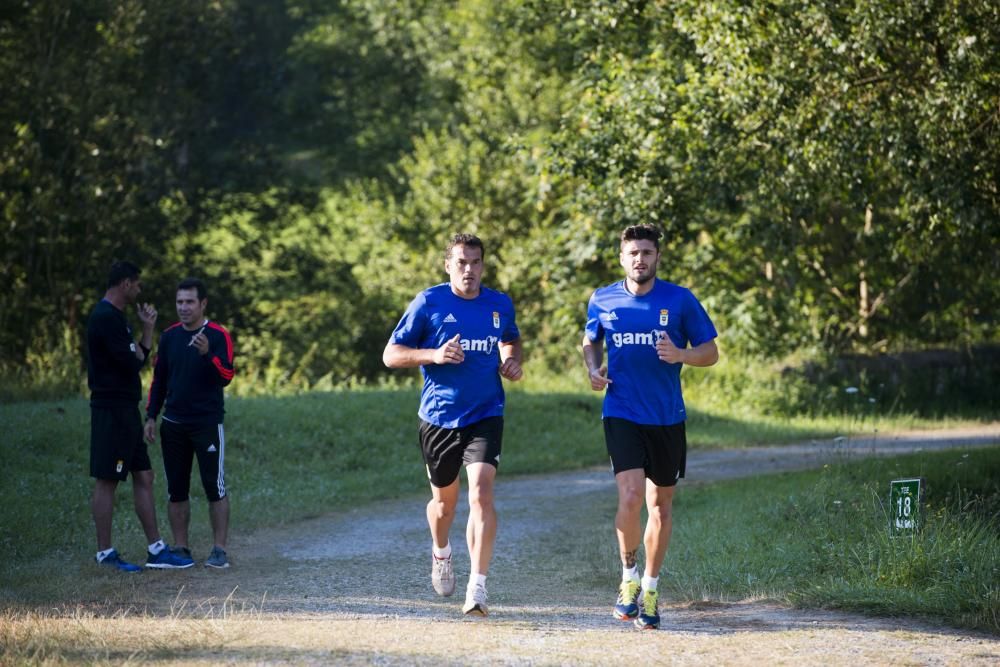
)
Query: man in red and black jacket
[{"x": 194, "y": 362}]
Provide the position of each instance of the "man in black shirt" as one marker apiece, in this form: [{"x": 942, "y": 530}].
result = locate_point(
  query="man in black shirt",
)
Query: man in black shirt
[
  {"x": 116, "y": 444},
  {"x": 194, "y": 362}
]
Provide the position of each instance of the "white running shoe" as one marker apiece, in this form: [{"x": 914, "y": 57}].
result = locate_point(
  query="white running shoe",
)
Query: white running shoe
[
  {"x": 442, "y": 576},
  {"x": 475, "y": 601}
]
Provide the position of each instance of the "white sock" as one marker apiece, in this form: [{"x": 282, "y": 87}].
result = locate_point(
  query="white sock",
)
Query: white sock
[
  {"x": 441, "y": 552},
  {"x": 650, "y": 583},
  {"x": 101, "y": 555},
  {"x": 630, "y": 573},
  {"x": 156, "y": 547},
  {"x": 476, "y": 580}
]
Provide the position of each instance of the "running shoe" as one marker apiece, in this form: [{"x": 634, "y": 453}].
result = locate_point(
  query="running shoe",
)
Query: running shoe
[
  {"x": 442, "y": 575},
  {"x": 115, "y": 561},
  {"x": 627, "y": 606},
  {"x": 168, "y": 559},
  {"x": 183, "y": 551},
  {"x": 649, "y": 614},
  {"x": 217, "y": 559},
  {"x": 475, "y": 602}
]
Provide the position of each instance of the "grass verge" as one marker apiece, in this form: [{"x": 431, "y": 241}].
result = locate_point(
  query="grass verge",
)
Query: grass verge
[
  {"x": 291, "y": 458},
  {"x": 821, "y": 539}
]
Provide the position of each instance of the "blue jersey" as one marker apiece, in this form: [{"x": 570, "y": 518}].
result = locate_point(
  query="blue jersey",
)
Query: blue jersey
[
  {"x": 644, "y": 389},
  {"x": 455, "y": 395}
]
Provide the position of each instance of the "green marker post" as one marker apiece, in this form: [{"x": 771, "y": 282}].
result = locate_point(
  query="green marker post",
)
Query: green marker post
[{"x": 904, "y": 506}]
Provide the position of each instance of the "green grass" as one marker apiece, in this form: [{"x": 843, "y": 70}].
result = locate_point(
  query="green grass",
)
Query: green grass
[
  {"x": 294, "y": 457},
  {"x": 821, "y": 539}
]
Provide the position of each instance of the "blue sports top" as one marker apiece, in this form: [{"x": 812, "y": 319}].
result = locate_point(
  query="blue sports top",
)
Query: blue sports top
[
  {"x": 644, "y": 389},
  {"x": 455, "y": 395}
]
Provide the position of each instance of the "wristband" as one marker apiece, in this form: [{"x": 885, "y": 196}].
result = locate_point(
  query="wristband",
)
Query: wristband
[{"x": 145, "y": 350}]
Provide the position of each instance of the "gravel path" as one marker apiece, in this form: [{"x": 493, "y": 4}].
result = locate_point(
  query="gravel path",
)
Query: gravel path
[{"x": 354, "y": 586}]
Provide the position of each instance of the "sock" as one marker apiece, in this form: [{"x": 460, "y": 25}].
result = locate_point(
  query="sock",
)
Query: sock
[
  {"x": 476, "y": 580},
  {"x": 101, "y": 555},
  {"x": 630, "y": 573},
  {"x": 441, "y": 552},
  {"x": 650, "y": 583},
  {"x": 156, "y": 547}
]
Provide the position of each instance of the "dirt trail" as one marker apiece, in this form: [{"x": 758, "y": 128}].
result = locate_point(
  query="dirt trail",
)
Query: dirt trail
[{"x": 357, "y": 584}]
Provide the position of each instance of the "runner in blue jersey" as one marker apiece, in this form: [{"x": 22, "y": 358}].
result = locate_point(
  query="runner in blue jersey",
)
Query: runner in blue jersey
[
  {"x": 651, "y": 328},
  {"x": 464, "y": 338}
]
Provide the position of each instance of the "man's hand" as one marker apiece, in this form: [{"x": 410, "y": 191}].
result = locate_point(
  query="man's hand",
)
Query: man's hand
[
  {"x": 451, "y": 352},
  {"x": 147, "y": 315},
  {"x": 599, "y": 378},
  {"x": 149, "y": 431},
  {"x": 667, "y": 351},
  {"x": 511, "y": 369},
  {"x": 200, "y": 343}
]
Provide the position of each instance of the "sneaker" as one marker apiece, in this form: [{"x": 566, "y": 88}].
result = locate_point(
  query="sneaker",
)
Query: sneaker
[
  {"x": 168, "y": 559},
  {"x": 649, "y": 615},
  {"x": 442, "y": 575},
  {"x": 115, "y": 561},
  {"x": 183, "y": 551},
  {"x": 627, "y": 606},
  {"x": 475, "y": 602},
  {"x": 217, "y": 559}
]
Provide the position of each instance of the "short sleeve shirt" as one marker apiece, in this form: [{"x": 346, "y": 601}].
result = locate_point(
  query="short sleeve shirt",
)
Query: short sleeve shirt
[
  {"x": 455, "y": 395},
  {"x": 644, "y": 389}
]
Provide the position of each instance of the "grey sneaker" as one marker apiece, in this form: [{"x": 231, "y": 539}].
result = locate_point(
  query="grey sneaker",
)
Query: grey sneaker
[
  {"x": 475, "y": 602},
  {"x": 442, "y": 575},
  {"x": 217, "y": 559}
]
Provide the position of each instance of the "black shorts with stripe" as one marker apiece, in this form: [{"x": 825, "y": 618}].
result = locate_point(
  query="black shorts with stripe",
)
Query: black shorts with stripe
[
  {"x": 180, "y": 444},
  {"x": 445, "y": 450},
  {"x": 116, "y": 444},
  {"x": 661, "y": 451}
]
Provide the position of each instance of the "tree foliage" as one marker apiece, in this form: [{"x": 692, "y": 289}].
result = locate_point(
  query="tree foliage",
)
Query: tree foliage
[{"x": 826, "y": 174}]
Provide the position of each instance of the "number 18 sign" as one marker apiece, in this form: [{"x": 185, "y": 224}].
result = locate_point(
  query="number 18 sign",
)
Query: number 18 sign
[{"x": 904, "y": 506}]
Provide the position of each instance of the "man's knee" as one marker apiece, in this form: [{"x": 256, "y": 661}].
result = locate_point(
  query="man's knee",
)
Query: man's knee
[
  {"x": 630, "y": 496},
  {"x": 441, "y": 508},
  {"x": 481, "y": 497}
]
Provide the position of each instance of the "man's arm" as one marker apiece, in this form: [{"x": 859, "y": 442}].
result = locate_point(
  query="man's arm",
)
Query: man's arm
[
  {"x": 593, "y": 357},
  {"x": 121, "y": 348},
  {"x": 147, "y": 315},
  {"x": 217, "y": 349},
  {"x": 157, "y": 393},
  {"x": 403, "y": 356},
  {"x": 510, "y": 360},
  {"x": 705, "y": 354}
]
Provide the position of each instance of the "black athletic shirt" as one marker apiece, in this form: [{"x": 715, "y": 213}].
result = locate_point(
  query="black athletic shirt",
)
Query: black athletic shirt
[
  {"x": 191, "y": 383},
  {"x": 112, "y": 367}
]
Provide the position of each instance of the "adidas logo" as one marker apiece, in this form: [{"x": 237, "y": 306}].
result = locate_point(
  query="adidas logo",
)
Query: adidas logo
[
  {"x": 450, "y": 319},
  {"x": 610, "y": 317},
  {"x": 211, "y": 448}
]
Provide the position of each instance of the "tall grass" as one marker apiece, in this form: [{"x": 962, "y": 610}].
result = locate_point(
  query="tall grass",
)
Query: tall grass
[{"x": 821, "y": 539}]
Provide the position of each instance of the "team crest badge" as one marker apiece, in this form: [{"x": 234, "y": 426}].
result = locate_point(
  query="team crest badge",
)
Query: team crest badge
[
  {"x": 496, "y": 320},
  {"x": 664, "y": 316}
]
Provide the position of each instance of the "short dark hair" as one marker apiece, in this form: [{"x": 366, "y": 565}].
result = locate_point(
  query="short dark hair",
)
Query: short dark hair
[
  {"x": 470, "y": 240},
  {"x": 120, "y": 272},
  {"x": 643, "y": 232},
  {"x": 195, "y": 284}
]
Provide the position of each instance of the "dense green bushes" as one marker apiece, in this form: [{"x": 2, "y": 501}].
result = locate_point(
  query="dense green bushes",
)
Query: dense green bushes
[{"x": 826, "y": 175}]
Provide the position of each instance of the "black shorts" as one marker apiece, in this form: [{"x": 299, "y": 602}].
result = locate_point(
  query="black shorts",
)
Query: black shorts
[
  {"x": 180, "y": 443},
  {"x": 661, "y": 451},
  {"x": 446, "y": 449},
  {"x": 116, "y": 444}
]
